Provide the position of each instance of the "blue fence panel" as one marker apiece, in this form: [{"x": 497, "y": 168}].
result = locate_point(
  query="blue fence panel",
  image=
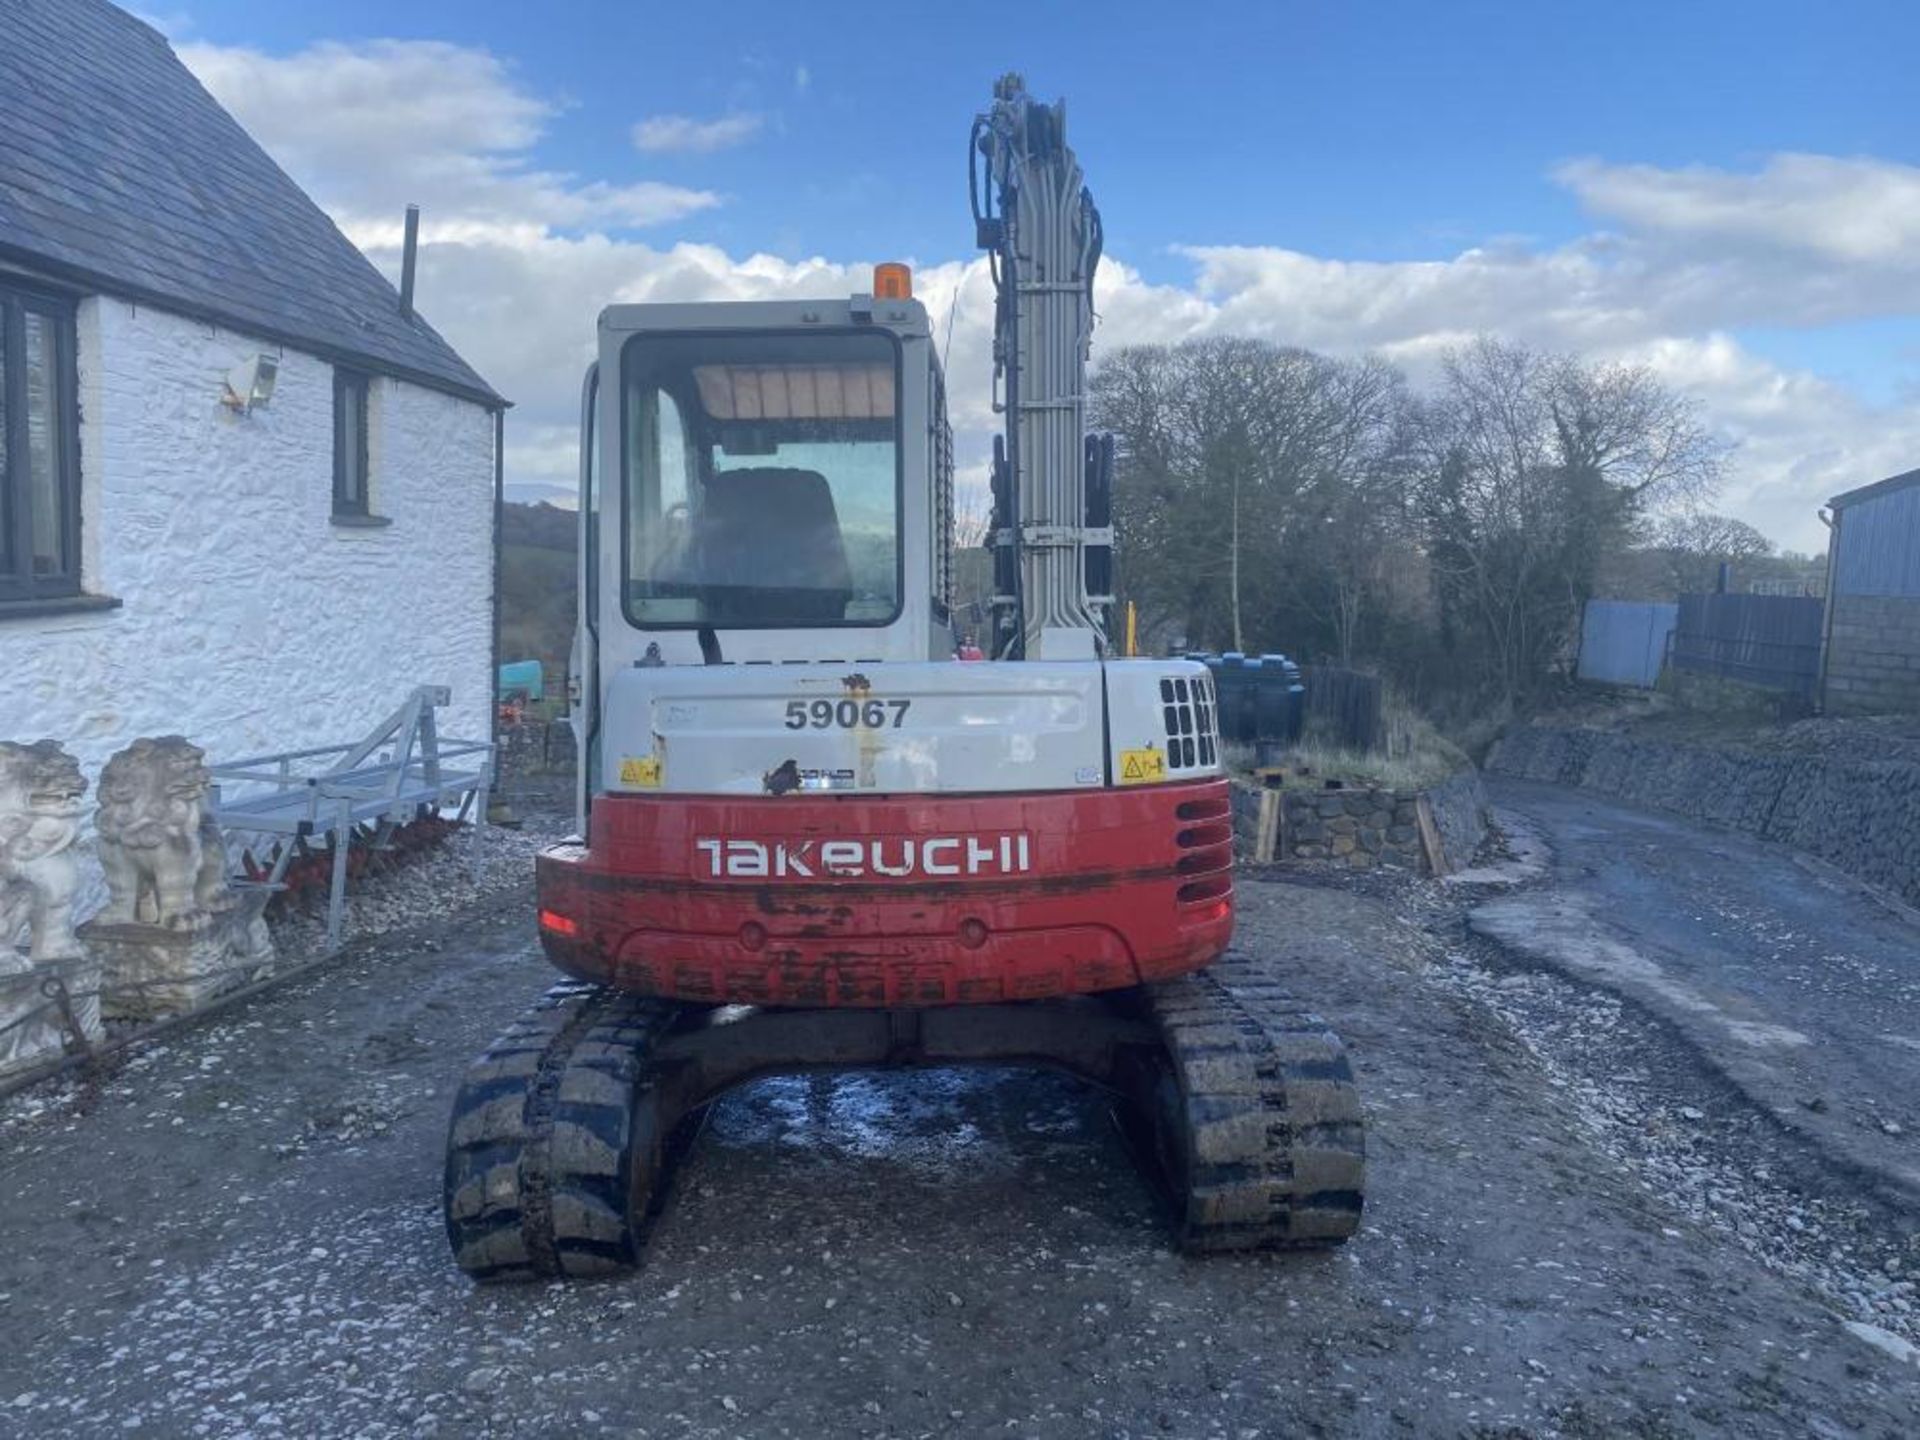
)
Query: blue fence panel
[
  {"x": 1624, "y": 642},
  {"x": 1772, "y": 641}
]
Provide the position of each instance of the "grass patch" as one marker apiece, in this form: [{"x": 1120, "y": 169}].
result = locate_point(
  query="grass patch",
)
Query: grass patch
[{"x": 1414, "y": 755}]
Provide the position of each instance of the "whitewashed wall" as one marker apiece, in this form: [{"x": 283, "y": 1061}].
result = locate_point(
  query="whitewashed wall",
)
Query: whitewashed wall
[{"x": 249, "y": 620}]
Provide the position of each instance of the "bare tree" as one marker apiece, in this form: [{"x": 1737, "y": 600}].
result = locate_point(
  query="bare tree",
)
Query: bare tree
[
  {"x": 972, "y": 513},
  {"x": 1269, "y": 496},
  {"x": 1356, "y": 536},
  {"x": 1238, "y": 457},
  {"x": 1534, "y": 466},
  {"x": 1696, "y": 543}
]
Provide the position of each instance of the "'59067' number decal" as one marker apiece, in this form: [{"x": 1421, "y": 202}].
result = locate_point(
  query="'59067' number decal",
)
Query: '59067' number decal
[{"x": 846, "y": 714}]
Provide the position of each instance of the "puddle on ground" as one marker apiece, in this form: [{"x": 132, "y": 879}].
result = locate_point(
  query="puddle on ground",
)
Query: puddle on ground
[{"x": 936, "y": 1120}]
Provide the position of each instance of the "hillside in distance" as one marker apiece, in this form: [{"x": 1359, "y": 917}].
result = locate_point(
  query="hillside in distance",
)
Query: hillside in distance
[{"x": 537, "y": 568}]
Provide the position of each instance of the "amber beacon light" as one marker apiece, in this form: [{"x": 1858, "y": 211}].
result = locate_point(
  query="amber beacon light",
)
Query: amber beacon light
[{"x": 892, "y": 281}]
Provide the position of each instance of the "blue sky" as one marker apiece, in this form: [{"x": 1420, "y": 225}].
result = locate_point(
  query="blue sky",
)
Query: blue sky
[{"x": 1725, "y": 191}]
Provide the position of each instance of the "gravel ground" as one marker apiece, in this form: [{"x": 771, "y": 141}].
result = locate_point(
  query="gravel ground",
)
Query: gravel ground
[
  {"x": 464, "y": 871},
  {"x": 1575, "y": 1228},
  {"x": 1690, "y": 1139},
  {"x": 1674, "y": 946}
]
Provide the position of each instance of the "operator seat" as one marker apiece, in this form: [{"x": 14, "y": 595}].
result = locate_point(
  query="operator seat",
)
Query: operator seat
[{"x": 767, "y": 541}]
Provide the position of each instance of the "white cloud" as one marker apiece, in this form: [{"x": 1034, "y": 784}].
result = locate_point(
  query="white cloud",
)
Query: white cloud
[
  {"x": 1799, "y": 439},
  {"x": 1850, "y": 210},
  {"x": 370, "y": 128},
  {"x": 662, "y": 134},
  {"x": 518, "y": 261}
]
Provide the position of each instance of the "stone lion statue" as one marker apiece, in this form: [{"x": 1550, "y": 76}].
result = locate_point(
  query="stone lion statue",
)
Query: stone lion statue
[
  {"x": 164, "y": 860},
  {"x": 40, "y": 790}
]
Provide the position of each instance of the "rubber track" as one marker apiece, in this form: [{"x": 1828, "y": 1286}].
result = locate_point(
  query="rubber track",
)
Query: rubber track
[
  {"x": 551, "y": 1153},
  {"x": 1275, "y": 1144}
]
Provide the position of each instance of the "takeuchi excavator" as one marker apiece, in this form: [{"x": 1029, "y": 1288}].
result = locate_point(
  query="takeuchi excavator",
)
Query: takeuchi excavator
[{"x": 813, "y": 838}]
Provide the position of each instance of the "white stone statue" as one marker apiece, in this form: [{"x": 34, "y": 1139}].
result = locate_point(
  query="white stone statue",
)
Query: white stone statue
[
  {"x": 164, "y": 860},
  {"x": 174, "y": 933},
  {"x": 40, "y": 809}
]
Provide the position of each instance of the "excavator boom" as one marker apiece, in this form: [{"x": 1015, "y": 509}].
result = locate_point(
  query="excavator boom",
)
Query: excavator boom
[{"x": 1051, "y": 528}]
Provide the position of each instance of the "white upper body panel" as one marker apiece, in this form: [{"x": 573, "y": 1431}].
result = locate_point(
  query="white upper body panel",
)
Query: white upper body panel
[
  {"x": 891, "y": 728},
  {"x": 902, "y": 728}
]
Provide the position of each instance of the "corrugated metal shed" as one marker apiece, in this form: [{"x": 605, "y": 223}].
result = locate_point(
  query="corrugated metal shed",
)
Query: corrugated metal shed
[{"x": 1877, "y": 538}]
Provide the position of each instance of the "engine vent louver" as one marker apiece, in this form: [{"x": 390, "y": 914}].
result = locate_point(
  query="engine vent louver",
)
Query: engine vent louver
[
  {"x": 1186, "y": 710},
  {"x": 1205, "y": 843}
]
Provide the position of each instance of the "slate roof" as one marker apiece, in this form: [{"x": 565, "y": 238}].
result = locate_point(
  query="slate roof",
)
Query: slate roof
[{"x": 119, "y": 172}]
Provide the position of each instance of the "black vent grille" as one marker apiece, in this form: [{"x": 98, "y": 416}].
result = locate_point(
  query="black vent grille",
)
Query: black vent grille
[{"x": 1186, "y": 710}]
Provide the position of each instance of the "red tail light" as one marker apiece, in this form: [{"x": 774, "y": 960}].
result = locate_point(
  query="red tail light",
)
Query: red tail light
[{"x": 565, "y": 926}]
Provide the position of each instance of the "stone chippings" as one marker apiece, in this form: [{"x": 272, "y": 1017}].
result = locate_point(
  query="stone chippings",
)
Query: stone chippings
[
  {"x": 238, "y": 1233},
  {"x": 1856, "y": 805},
  {"x": 458, "y": 874},
  {"x": 1711, "y": 1158}
]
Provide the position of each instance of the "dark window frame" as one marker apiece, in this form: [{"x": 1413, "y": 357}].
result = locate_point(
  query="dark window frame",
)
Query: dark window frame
[
  {"x": 346, "y": 506},
  {"x": 18, "y": 583}
]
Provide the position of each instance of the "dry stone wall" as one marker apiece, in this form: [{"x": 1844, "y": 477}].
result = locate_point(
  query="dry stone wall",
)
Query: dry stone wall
[
  {"x": 1361, "y": 827},
  {"x": 1462, "y": 816},
  {"x": 534, "y": 747},
  {"x": 1861, "y": 815}
]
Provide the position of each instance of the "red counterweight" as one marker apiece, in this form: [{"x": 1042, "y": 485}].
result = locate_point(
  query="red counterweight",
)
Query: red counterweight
[{"x": 860, "y": 900}]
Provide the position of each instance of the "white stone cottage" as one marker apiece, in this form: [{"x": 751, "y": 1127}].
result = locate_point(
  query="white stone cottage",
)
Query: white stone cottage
[{"x": 172, "y": 558}]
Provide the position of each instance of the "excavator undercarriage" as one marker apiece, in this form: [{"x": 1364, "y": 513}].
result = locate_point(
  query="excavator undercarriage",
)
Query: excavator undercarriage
[{"x": 1239, "y": 1105}]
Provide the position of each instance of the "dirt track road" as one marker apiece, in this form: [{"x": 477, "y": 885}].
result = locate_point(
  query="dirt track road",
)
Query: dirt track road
[
  {"x": 238, "y": 1234},
  {"x": 1801, "y": 991}
]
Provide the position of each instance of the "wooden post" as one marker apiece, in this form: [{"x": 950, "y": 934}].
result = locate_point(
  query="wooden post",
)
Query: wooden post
[
  {"x": 1267, "y": 831},
  {"x": 1430, "y": 836}
]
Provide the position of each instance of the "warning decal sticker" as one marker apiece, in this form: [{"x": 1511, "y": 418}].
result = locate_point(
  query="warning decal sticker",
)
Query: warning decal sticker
[
  {"x": 642, "y": 770},
  {"x": 1142, "y": 767}
]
